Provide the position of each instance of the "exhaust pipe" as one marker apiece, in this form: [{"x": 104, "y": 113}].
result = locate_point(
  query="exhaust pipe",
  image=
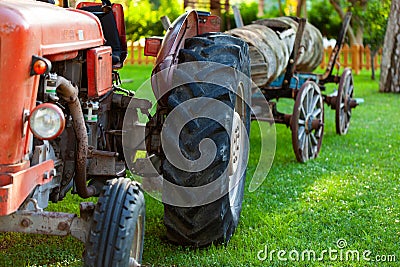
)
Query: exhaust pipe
[{"x": 69, "y": 93}]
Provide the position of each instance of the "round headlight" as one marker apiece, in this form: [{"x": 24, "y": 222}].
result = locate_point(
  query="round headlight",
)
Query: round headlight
[{"x": 47, "y": 121}]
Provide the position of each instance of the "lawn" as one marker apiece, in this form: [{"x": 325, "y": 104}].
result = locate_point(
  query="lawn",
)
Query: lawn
[{"x": 347, "y": 201}]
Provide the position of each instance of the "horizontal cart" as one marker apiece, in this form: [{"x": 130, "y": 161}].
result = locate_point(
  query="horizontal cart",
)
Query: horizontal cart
[{"x": 307, "y": 120}]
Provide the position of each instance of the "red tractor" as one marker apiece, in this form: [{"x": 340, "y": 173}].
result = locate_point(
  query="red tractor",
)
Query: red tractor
[{"x": 63, "y": 131}]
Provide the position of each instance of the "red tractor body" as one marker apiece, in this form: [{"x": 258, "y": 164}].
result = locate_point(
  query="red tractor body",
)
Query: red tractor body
[
  {"x": 41, "y": 30},
  {"x": 61, "y": 118}
]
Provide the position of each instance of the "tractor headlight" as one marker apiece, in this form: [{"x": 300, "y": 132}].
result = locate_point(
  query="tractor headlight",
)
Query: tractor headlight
[{"x": 47, "y": 121}]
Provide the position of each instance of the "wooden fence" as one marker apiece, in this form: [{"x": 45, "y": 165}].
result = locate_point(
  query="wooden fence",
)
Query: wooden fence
[
  {"x": 136, "y": 55},
  {"x": 357, "y": 57}
]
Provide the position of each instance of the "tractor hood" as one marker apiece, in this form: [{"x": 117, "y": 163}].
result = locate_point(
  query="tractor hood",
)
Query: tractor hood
[
  {"x": 29, "y": 28},
  {"x": 50, "y": 29}
]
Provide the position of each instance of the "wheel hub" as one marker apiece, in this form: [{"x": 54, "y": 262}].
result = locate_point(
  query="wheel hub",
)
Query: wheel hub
[
  {"x": 309, "y": 123},
  {"x": 346, "y": 103},
  {"x": 236, "y": 143},
  {"x": 237, "y": 139},
  {"x": 136, "y": 244}
]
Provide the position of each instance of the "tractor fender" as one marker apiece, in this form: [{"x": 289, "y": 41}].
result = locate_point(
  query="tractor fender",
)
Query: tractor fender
[{"x": 186, "y": 26}]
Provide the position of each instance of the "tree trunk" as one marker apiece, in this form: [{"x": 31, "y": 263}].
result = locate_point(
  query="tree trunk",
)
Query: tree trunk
[
  {"x": 301, "y": 8},
  {"x": 373, "y": 54},
  {"x": 260, "y": 8},
  {"x": 215, "y": 7},
  {"x": 72, "y": 3},
  {"x": 280, "y": 8},
  {"x": 360, "y": 35},
  {"x": 390, "y": 65}
]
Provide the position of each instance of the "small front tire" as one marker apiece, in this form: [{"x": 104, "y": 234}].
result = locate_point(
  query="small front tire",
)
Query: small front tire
[{"x": 117, "y": 232}]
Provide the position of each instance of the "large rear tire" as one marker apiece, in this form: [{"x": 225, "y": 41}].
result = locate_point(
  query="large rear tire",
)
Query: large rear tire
[
  {"x": 213, "y": 222},
  {"x": 117, "y": 232}
]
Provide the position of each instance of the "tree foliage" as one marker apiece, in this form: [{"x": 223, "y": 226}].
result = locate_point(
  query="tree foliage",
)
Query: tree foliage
[
  {"x": 281, "y": 8},
  {"x": 365, "y": 13},
  {"x": 376, "y": 18},
  {"x": 248, "y": 11},
  {"x": 142, "y": 17},
  {"x": 323, "y": 16}
]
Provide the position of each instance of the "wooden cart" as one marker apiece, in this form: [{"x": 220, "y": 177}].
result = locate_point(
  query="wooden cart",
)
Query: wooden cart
[{"x": 307, "y": 120}]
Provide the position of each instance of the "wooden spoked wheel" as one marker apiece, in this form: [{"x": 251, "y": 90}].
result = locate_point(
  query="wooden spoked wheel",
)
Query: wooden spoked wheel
[
  {"x": 344, "y": 102},
  {"x": 307, "y": 122}
]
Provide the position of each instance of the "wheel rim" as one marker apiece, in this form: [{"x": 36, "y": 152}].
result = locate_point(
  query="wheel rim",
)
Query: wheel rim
[
  {"x": 343, "y": 107},
  {"x": 136, "y": 248},
  {"x": 307, "y": 122},
  {"x": 238, "y": 143}
]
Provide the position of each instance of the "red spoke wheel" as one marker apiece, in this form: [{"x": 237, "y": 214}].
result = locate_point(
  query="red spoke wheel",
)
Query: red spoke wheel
[{"x": 307, "y": 122}]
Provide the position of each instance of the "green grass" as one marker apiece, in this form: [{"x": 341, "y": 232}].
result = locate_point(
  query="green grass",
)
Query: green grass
[
  {"x": 351, "y": 191},
  {"x": 135, "y": 76}
]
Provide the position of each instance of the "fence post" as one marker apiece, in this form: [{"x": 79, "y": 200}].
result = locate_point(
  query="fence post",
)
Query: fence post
[
  {"x": 378, "y": 55},
  {"x": 146, "y": 60},
  {"x": 361, "y": 57},
  {"x": 368, "y": 57},
  {"x": 355, "y": 65},
  {"x": 345, "y": 52},
  {"x": 140, "y": 52},
  {"x": 132, "y": 55}
]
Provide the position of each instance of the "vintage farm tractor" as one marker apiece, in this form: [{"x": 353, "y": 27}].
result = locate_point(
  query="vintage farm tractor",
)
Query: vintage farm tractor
[
  {"x": 62, "y": 119},
  {"x": 61, "y": 127},
  {"x": 66, "y": 125}
]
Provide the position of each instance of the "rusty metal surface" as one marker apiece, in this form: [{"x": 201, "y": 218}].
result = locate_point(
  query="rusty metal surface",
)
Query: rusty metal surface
[
  {"x": 15, "y": 187},
  {"x": 99, "y": 71},
  {"x": 184, "y": 27},
  {"x": 330, "y": 100},
  {"x": 70, "y": 94},
  {"x": 14, "y": 167},
  {"x": 102, "y": 163},
  {"x": 48, "y": 223},
  {"x": 209, "y": 23}
]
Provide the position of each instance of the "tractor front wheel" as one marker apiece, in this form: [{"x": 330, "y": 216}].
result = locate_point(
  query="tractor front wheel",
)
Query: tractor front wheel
[{"x": 117, "y": 232}]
